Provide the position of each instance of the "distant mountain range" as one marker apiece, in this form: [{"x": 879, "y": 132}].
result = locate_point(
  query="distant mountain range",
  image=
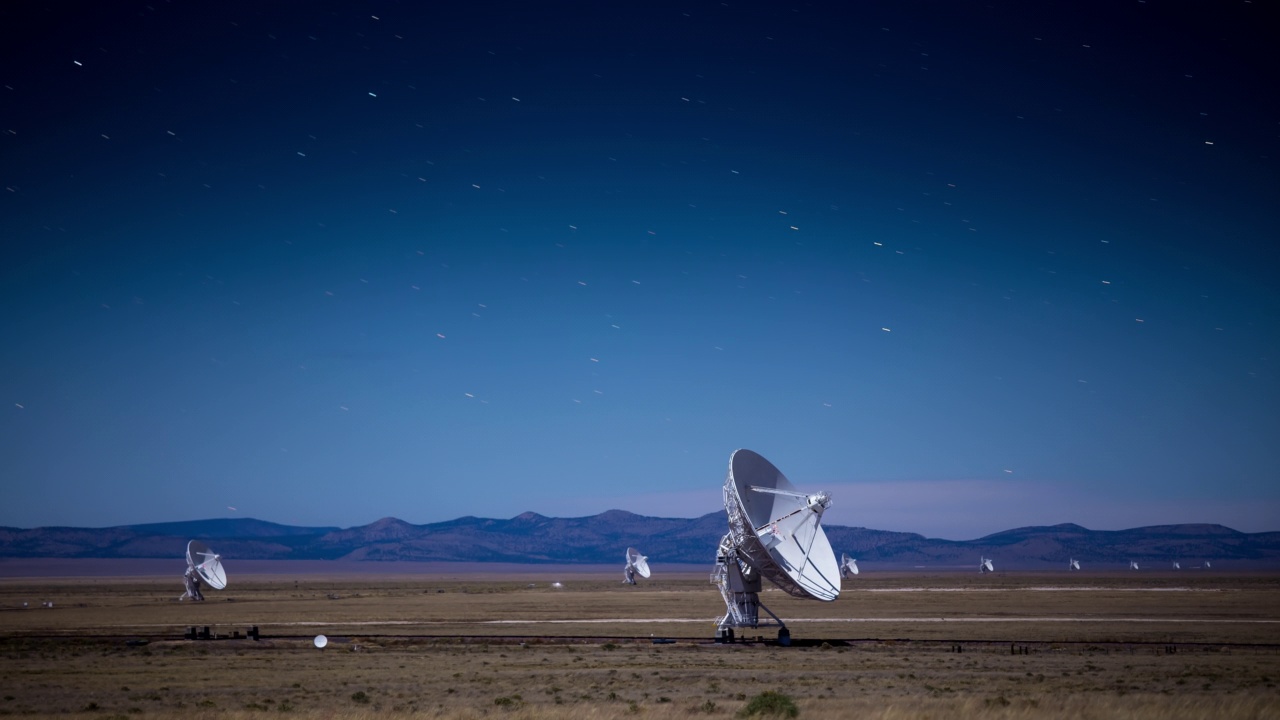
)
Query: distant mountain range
[{"x": 533, "y": 538}]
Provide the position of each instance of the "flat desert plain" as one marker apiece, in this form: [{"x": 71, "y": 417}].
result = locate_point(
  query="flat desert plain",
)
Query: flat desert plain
[{"x": 504, "y": 643}]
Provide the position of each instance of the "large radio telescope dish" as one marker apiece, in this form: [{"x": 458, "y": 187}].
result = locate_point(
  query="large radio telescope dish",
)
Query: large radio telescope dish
[
  {"x": 202, "y": 565},
  {"x": 1073, "y": 564},
  {"x": 985, "y": 565},
  {"x": 637, "y": 564},
  {"x": 775, "y": 532}
]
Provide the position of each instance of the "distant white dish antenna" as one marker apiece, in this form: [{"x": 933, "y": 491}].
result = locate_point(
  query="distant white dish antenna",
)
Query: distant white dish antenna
[
  {"x": 1073, "y": 564},
  {"x": 202, "y": 564},
  {"x": 848, "y": 566},
  {"x": 775, "y": 532},
  {"x": 985, "y": 565},
  {"x": 557, "y": 585},
  {"x": 321, "y": 641},
  {"x": 1207, "y": 565},
  {"x": 1133, "y": 564},
  {"x": 1177, "y": 565},
  {"x": 637, "y": 564}
]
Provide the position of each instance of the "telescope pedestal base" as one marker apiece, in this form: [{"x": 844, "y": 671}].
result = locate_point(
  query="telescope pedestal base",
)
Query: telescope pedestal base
[{"x": 740, "y": 587}]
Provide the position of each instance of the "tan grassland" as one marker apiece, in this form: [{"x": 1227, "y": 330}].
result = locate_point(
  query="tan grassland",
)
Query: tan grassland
[{"x": 902, "y": 645}]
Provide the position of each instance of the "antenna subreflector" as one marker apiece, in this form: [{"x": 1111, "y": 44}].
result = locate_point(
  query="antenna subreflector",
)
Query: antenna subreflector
[
  {"x": 775, "y": 532},
  {"x": 202, "y": 565}
]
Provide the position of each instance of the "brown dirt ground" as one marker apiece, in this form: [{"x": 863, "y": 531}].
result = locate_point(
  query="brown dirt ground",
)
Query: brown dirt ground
[{"x": 893, "y": 645}]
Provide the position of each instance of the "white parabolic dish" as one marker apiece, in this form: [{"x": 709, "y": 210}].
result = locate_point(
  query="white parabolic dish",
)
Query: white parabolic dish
[
  {"x": 638, "y": 561},
  {"x": 209, "y": 565},
  {"x": 849, "y": 564},
  {"x": 321, "y": 641},
  {"x": 794, "y": 553}
]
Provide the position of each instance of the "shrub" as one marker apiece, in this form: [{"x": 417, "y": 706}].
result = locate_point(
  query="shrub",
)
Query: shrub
[
  {"x": 770, "y": 703},
  {"x": 511, "y": 702}
]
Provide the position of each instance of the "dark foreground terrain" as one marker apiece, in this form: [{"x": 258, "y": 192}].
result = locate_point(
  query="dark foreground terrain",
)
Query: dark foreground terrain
[{"x": 475, "y": 645}]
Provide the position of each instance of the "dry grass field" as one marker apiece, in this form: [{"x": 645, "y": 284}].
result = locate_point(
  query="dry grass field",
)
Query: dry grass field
[{"x": 471, "y": 646}]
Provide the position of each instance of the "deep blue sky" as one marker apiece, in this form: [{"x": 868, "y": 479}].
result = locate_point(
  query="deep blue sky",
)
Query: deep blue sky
[{"x": 968, "y": 266}]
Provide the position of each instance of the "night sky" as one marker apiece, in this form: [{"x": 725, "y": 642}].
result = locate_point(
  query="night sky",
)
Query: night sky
[{"x": 967, "y": 266}]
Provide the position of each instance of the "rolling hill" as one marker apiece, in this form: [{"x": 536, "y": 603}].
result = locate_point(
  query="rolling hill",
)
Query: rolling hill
[{"x": 533, "y": 538}]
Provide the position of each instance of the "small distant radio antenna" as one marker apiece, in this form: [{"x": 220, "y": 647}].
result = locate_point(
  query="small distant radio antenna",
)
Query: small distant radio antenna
[
  {"x": 848, "y": 566},
  {"x": 637, "y": 564},
  {"x": 202, "y": 565}
]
